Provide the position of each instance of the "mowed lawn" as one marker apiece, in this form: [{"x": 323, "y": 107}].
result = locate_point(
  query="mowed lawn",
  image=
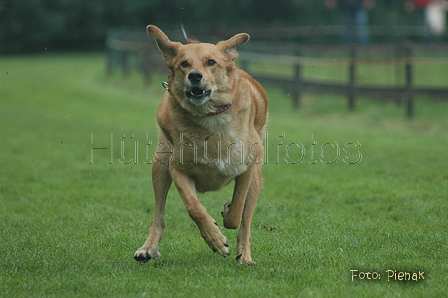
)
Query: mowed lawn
[{"x": 343, "y": 191}]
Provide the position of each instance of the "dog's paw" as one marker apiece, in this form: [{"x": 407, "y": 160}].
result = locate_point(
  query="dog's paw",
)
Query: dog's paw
[
  {"x": 226, "y": 209},
  {"x": 215, "y": 239},
  {"x": 246, "y": 261},
  {"x": 144, "y": 254}
]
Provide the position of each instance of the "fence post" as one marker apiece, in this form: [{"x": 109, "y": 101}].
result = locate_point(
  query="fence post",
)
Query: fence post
[
  {"x": 297, "y": 94},
  {"x": 244, "y": 64},
  {"x": 109, "y": 61},
  {"x": 124, "y": 62},
  {"x": 409, "y": 83},
  {"x": 146, "y": 61},
  {"x": 399, "y": 56},
  {"x": 352, "y": 78}
]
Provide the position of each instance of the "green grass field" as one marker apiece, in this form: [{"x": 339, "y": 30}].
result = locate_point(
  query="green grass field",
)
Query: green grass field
[{"x": 372, "y": 197}]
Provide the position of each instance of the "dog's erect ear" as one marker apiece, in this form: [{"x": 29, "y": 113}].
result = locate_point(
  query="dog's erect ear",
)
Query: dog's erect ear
[
  {"x": 167, "y": 47},
  {"x": 229, "y": 46}
]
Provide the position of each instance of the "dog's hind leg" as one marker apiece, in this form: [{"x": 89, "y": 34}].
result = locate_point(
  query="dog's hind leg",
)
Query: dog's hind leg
[
  {"x": 206, "y": 224},
  {"x": 161, "y": 183}
]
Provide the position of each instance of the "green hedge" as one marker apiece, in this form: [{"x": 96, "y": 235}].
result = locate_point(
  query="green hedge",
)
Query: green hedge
[{"x": 38, "y": 25}]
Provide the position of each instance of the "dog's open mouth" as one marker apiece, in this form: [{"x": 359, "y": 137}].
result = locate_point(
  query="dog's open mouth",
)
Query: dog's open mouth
[{"x": 198, "y": 96}]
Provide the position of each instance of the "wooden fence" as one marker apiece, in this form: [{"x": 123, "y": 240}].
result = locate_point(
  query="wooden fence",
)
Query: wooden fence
[
  {"x": 136, "y": 50},
  {"x": 399, "y": 56}
]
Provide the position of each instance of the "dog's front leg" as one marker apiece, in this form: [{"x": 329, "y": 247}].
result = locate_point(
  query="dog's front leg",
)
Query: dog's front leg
[
  {"x": 233, "y": 211},
  {"x": 244, "y": 235},
  {"x": 161, "y": 182},
  {"x": 240, "y": 211},
  {"x": 207, "y": 225}
]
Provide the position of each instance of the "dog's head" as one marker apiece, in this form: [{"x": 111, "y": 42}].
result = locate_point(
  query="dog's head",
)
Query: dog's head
[{"x": 200, "y": 72}]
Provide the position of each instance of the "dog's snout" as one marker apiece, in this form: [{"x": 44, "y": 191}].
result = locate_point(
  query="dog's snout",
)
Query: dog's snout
[{"x": 195, "y": 76}]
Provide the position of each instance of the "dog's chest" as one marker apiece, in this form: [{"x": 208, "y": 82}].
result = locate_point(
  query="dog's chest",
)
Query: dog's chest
[
  {"x": 224, "y": 149},
  {"x": 227, "y": 155}
]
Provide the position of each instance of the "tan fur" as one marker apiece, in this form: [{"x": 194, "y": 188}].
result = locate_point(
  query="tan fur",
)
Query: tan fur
[{"x": 205, "y": 153}]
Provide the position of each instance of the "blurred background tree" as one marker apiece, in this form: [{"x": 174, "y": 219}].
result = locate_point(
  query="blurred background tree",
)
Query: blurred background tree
[{"x": 55, "y": 25}]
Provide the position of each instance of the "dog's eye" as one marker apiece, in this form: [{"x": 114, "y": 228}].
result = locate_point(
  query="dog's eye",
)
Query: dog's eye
[
  {"x": 211, "y": 62},
  {"x": 185, "y": 64}
]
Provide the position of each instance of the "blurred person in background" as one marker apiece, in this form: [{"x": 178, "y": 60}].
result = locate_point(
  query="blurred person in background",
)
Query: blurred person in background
[
  {"x": 432, "y": 14},
  {"x": 355, "y": 18}
]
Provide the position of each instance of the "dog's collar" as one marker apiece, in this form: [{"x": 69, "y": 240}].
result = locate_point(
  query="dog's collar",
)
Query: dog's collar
[
  {"x": 221, "y": 109},
  {"x": 166, "y": 84}
]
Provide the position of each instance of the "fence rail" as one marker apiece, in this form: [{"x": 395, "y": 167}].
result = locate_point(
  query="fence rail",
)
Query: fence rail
[
  {"x": 122, "y": 47},
  {"x": 296, "y": 84}
]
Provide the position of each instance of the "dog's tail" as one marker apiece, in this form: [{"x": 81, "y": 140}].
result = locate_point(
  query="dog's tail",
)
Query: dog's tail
[
  {"x": 182, "y": 27},
  {"x": 187, "y": 39}
]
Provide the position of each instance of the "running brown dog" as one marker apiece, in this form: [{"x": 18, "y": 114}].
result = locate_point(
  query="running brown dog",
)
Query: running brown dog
[{"x": 212, "y": 120}]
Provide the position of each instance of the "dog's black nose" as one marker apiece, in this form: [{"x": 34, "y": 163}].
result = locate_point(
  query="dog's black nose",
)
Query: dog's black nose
[{"x": 195, "y": 76}]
